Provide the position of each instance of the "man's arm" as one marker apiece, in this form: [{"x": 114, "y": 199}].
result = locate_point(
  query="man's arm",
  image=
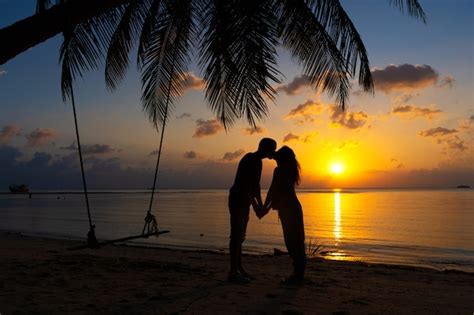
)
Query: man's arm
[{"x": 258, "y": 193}]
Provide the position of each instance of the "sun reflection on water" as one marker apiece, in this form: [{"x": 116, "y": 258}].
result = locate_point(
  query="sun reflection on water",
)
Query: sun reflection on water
[{"x": 337, "y": 216}]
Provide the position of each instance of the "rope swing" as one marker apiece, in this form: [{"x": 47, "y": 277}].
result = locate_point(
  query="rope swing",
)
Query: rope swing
[{"x": 150, "y": 227}]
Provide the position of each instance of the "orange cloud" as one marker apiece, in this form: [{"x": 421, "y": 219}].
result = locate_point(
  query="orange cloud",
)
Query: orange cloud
[
  {"x": 253, "y": 130},
  {"x": 207, "y": 128},
  {"x": 290, "y": 137},
  {"x": 191, "y": 81},
  {"x": 40, "y": 136},
  {"x": 351, "y": 120},
  {"x": 306, "y": 111},
  {"x": 230, "y": 156},
  {"x": 8, "y": 132},
  {"x": 303, "y": 138},
  {"x": 190, "y": 155}
]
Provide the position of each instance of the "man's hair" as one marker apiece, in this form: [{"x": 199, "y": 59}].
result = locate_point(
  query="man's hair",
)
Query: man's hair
[{"x": 267, "y": 145}]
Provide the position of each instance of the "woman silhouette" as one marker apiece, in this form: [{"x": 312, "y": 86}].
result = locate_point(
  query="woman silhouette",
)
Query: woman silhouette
[{"x": 282, "y": 197}]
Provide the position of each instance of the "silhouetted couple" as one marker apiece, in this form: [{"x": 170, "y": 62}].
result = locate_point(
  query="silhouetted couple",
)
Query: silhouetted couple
[{"x": 281, "y": 196}]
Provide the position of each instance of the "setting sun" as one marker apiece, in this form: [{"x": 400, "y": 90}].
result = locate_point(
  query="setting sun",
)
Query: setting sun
[{"x": 337, "y": 168}]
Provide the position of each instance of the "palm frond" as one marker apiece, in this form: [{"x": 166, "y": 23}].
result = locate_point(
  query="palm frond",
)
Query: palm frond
[
  {"x": 166, "y": 57},
  {"x": 339, "y": 26},
  {"x": 122, "y": 41},
  {"x": 309, "y": 43},
  {"x": 413, "y": 6},
  {"x": 216, "y": 22},
  {"x": 148, "y": 26},
  {"x": 238, "y": 53},
  {"x": 83, "y": 47}
]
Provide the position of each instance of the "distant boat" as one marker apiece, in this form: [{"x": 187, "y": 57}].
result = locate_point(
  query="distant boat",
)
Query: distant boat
[
  {"x": 19, "y": 189},
  {"x": 463, "y": 186}
]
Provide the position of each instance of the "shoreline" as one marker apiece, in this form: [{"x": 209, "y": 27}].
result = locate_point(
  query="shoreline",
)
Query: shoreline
[
  {"x": 221, "y": 250},
  {"x": 40, "y": 275}
]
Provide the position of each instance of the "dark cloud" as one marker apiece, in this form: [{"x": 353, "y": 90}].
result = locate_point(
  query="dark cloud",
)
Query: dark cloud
[
  {"x": 437, "y": 132},
  {"x": 91, "y": 148},
  {"x": 446, "y": 137},
  {"x": 231, "y": 156},
  {"x": 8, "y": 132},
  {"x": 295, "y": 86},
  {"x": 290, "y": 137},
  {"x": 190, "y": 155},
  {"x": 43, "y": 171},
  {"x": 454, "y": 143},
  {"x": 184, "y": 115},
  {"x": 471, "y": 118},
  {"x": 306, "y": 111},
  {"x": 40, "y": 136},
  {"x": 252, "y": 130},
  {"x": 397, "y": 163},
  {"x": 207, "y": 128},
  {"x": 447, "y": 81},
  {"x": 351, "y": 120},
  {"x": 192, "y": 82},
  {"x": 413, "y": 111},
  {"x": 404, "y": 77}
]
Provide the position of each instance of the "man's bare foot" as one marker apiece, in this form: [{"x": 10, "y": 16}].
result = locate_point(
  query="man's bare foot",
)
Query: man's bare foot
[
  {"x": 237, "y": 277},
  {"x": 246, "y": 274}
]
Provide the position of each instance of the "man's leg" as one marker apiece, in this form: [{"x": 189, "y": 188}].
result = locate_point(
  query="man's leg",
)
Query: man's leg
[
  {"x": 243, "y": 224},
  {"x": 238, "y": 225},
  {"x": 234, "y": 242}
]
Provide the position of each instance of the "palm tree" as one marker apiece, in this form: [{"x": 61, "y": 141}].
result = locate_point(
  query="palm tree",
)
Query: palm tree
[{"x": 235, "y": 42}]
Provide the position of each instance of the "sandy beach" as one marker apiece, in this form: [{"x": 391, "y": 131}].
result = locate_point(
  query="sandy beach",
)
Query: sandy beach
[{"x": 42, "y": 276}]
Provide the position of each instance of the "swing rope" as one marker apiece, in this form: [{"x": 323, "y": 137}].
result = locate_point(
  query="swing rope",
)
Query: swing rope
[
  {"x": 151, "y": 225},
  {"x": 91, "y": 238}
]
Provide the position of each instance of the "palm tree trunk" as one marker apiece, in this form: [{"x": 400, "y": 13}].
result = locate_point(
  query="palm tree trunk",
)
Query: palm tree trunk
[{"x": 37, "y": 28}]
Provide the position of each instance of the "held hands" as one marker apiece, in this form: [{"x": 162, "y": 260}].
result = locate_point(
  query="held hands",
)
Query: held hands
[{"x": 260, "y": 210}]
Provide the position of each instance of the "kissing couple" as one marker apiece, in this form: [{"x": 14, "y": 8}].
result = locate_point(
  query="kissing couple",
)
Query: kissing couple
[{"x": 281, "y": 197}]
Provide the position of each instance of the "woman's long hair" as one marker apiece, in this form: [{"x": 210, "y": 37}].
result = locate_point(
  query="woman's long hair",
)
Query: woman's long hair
[{"x": 287, "y": 162}]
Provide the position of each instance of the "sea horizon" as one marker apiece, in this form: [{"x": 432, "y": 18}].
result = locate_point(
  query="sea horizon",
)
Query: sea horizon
[
  {"x": 391, "y": 226},
  {"x": 298, "y": 189}
]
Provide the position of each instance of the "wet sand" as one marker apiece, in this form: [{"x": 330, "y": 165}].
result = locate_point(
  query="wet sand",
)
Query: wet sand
[{"x": 42, "y": 276}]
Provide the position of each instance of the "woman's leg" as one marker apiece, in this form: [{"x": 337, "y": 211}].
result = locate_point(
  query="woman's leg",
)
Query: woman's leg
[{"x": 293, "y": 232}]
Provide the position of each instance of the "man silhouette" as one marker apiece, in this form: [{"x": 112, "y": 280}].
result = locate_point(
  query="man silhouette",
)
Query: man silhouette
[{"x": 246, "y": 192}]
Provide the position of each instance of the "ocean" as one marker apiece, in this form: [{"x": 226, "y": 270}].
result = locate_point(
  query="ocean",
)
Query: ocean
[{"x": 423, "y": 227}]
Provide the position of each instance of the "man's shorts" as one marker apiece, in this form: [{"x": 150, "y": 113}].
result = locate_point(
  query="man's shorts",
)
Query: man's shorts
[{"x": 239, "y": 217}]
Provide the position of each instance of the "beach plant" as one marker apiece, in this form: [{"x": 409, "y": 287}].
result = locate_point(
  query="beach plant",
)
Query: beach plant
[
  {"x": 313, "y": 249},
  {"x": 235, "y": 43}
]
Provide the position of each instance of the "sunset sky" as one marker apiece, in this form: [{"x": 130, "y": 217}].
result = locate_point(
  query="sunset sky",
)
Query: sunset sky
[{"x": 416, "y": 131}]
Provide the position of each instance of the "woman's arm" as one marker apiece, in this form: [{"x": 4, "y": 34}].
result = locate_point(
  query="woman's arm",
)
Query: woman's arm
[{"x": 271, "y": 190}]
